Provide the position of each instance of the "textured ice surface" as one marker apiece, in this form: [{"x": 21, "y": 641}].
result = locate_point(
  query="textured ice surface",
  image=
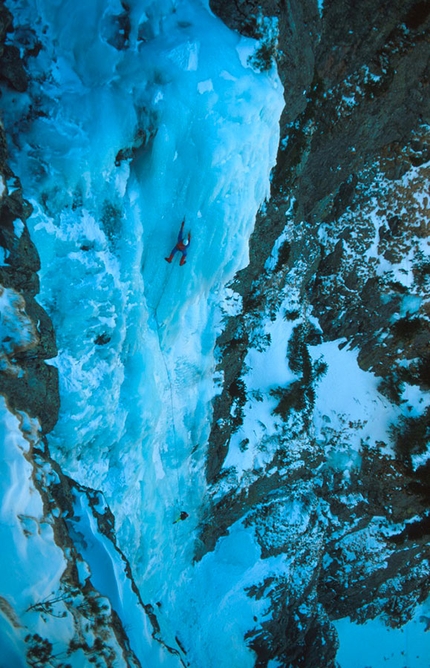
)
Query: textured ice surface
[{"x": 128, "y": 135}]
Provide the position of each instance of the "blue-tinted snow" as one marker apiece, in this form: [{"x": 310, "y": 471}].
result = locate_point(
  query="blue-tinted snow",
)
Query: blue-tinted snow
[
  {"x": 267, "y": 368},
  {"x": 377, "y": 645},
  {"x": 347, "y": 396},
  {"x": 410, "y": 304},
  {"x": 218, "y": 609},
  {"x": 27, "y": 541}
]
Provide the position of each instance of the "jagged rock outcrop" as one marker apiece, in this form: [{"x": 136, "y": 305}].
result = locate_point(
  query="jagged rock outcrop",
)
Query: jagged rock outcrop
[
  {"x": 25, "y": 379},
  {"x": 347, "y": 194},
  {"x": 11, "y": 66}
]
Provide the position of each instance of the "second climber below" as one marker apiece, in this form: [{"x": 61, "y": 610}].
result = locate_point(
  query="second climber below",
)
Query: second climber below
[{"x": 181, "y": 246}]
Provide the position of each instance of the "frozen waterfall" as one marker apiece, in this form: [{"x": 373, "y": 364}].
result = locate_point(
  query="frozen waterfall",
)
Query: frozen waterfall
[{"x": 132, "y": 122}]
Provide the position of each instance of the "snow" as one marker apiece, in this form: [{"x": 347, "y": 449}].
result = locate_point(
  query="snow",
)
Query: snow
[
  {"x": 349, "y": 411},
  {"x": 205, "y": 86},
  {"x": 267, "y": 368},
  {"x": 26, "y": 537},
  {"x": 221, "y": 617},
  {"x": 348, "y": 397},
  {"x": 412, "y": 246},
  {"x": 378, "y": 645},
  {"x": 17, "y": 331},
  {"x": 18, "y": 227},
  {"x": 271, "y": 261},
  {"x": 270, "y": 367},
  {"x": 416, "y": 401},
  {"x": 230, "y": 302}
]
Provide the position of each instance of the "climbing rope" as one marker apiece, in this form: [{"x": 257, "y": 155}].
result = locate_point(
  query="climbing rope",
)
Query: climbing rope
[{"x": 169, "y": 380}]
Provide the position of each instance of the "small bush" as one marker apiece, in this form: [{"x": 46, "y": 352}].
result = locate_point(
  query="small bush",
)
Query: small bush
[
  {"x": 422, "y": 273},
  {"x": 243, "y": 445},
  {"x": 319, "y": 369},
  {"x": 392, "y": 388},
  {"x": 290, "y": 398},
  {"x": 423, "y": 372},
  {"x": 291, "y": 315},
  {"x": 406, "y": 328},
  {"x": 297, "y": 352},
  {"x": 411, "y": 436},
  {"x": 39, "y": 652},
  {"x": 283, "y": 255},
  {"x": 237, "y": 391},
  {"x": 265, "y": 54}
]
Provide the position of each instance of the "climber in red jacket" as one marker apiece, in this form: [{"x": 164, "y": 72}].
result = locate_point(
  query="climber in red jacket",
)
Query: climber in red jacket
[{"x": 181, "y": 246}]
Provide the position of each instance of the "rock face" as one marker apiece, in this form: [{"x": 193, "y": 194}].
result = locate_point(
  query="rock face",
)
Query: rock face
[
  {"x": 340, "y": 253},
  {"x": 347, "y": 192},
  {"x": 28, "y": 382}
]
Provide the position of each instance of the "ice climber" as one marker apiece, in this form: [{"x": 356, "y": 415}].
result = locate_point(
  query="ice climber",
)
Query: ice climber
[
  {"x": 181, "y": 246},
  {"x": 182, "y": 516}
]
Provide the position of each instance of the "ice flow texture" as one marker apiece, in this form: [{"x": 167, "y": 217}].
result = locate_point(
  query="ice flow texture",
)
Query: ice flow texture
[{"x": 139, "y": 124}]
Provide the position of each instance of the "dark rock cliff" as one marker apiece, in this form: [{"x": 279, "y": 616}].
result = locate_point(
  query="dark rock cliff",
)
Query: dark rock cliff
[
  {"x": 355, "y": 129},
  {"x": 28, "y": 382}
]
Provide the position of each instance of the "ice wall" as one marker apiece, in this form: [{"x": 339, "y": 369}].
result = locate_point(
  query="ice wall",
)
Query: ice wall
[{"x": 132, "y": 122}]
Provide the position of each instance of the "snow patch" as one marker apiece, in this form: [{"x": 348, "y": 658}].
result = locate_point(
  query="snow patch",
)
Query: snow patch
[
  {"x": 378, "y": 645},
  {"x": 348, "y": 401}
]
